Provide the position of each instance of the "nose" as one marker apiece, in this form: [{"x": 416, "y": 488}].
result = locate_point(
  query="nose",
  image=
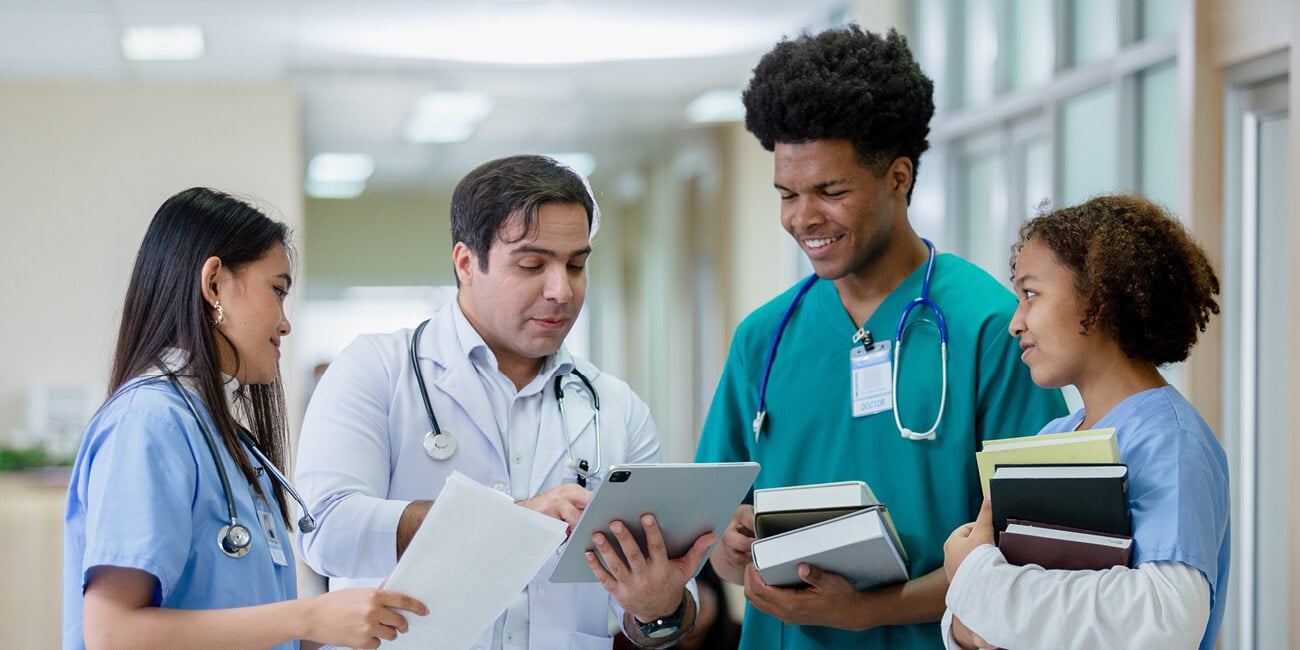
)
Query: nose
[
  {"x": 285, "y": 325},
  {"x": 802, "y": 212},
  {"x": 1017, "y": 325},
  {"x": 558, "y": 287}
]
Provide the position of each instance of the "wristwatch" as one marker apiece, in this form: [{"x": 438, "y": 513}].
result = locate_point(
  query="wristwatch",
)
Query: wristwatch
[{"x": 663, "y": 627}]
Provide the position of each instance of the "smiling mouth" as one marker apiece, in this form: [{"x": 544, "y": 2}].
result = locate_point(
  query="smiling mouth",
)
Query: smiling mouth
[{"x": 812, "y": 244}]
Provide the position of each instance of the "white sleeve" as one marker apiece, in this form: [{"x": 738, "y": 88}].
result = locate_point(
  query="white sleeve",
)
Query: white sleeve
[
  {"x": 1156, "y": 605},
  {"x": 343, "y": 468}
]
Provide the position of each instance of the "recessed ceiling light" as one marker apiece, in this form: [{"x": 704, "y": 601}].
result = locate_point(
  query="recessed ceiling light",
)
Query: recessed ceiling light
[
  {"x": 448, "y": 116},
  {"x": 162, "y": 42},
  {"x": 340, "y": 167},
  {"x": 334, "y": 190},
  {"x": 721, "y": 105}
]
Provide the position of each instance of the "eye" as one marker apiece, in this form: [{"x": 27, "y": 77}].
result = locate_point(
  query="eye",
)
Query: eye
[
  {"x": 788, "y": 197},
  {"x": 531, "y": 268},
  {"x": 1030, "y": 293},
  {"x": 281, "y": 292},
  {"x": 835, "y": 195}
]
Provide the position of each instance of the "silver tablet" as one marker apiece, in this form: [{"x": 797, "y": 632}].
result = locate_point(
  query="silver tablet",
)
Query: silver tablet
[{"x": 687, "y": 500}]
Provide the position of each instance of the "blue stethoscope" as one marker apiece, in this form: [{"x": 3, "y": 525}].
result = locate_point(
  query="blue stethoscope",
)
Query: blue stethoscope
[
  {"x": 441, "y": 445},
  {"x": 862, "y": 336},
  {"x": 234, "y": 539}
]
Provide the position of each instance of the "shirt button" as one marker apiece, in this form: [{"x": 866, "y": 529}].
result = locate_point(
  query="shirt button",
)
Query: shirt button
[
  {"x": 518, "y": 459},
  {"x": 499, "y": 487}
]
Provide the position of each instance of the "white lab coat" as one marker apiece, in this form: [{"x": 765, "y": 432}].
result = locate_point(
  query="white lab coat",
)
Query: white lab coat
[{"x": 361, "y": 460}]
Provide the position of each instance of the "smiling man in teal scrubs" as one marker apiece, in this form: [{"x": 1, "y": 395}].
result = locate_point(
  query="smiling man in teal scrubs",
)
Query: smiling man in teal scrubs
[{"x": 846, "y": 113}]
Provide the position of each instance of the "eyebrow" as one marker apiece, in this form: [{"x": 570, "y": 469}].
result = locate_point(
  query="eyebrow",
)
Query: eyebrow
[
  {"x": 820, "y": 186},
  {"x": 288, "y": 280},
  {"x": 1023, "y": 279},
  {"x": 546, "y": 252}
]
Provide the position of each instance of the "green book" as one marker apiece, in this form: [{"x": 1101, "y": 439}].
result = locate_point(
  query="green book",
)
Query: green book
[{"x": 1091, "y": 446}]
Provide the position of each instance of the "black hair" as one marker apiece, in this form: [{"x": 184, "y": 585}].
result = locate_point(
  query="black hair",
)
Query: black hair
[
  {"x": 164, "y": 308},
  {"x": 495, "y": 191},
  {"x": 1143, "y": 280},
  {"x": 843, "y": 84}
]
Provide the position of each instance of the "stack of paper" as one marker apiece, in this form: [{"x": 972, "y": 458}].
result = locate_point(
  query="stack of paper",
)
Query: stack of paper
[{"x": 473, "y": 555}]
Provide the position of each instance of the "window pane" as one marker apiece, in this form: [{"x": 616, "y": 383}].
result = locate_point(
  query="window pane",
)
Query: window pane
[
  {"x": 929, "y": 44},
  {"x": 1159, "y": 17},
  {"x": 1159, "y": 153},
  {"x": 980, "y": 61},
  {"x": 1094, "y": 30},
  {"x": 1088, "y": 147},
  {"x": 1036, "y": 176},
  {"x": 986, "y": 214},
  {"x": 1032, "y": 51}
]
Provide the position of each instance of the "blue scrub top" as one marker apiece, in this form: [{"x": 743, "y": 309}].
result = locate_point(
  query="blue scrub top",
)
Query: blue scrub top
[
  {"x": 1177, "y": 487},
  {"x": 145, "y": 494}
]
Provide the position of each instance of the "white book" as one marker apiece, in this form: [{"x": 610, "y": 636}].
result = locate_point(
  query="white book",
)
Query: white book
[
  {"x": 819, "y": 496},
  {"x": 860, "y": 546}
]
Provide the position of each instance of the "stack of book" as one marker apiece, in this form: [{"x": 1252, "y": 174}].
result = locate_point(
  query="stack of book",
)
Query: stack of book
[
  {"x": 837, "y": 527},
  {"x": 1059, "y": 501}
]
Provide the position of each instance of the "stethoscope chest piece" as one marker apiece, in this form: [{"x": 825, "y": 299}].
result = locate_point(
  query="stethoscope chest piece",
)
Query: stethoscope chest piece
[
  {"x": 440, "y": 446},
  {"x": 234, "y": 540}
]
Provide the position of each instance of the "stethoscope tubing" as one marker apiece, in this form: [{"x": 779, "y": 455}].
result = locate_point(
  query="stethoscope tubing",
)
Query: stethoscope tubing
[
  {"x": 922, "y": 301},
  {"x": 234, "y": 538},
  {"x": 581, "y": 467}
]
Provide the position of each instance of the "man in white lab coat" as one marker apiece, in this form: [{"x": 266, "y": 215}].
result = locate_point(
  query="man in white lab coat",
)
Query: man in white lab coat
[{"x": 371, "y": 462}]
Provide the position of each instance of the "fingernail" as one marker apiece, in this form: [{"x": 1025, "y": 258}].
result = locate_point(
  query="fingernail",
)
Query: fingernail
[
  {"x": 616, "y": 527},
  {"x": 598, "y": 540},
  {"x": 647, "y": 520}
]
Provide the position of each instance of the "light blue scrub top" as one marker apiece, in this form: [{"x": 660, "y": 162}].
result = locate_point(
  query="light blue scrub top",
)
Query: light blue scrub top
[
  {"x": 1177, "y": 486},
  {"x": 145, "y": 494}
]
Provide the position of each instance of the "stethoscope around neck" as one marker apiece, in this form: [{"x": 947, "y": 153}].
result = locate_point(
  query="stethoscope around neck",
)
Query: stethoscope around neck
[
  {"x": 234, "y": 538},
  {"x": 441, "y": 445},
  {"x": 862, "y": 336}
]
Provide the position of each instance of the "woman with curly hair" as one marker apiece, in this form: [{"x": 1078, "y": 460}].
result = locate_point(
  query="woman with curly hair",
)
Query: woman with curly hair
[{"x": 1109, "y": 291}]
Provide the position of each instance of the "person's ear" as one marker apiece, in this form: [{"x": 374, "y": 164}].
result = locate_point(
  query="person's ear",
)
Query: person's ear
[
  {"x": 900, "y": 176},
  {"x": 464, "y": 261},
  {"x": 208, "y": 274}
]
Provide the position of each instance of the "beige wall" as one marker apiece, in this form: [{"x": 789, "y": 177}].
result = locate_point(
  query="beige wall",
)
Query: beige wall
[
  {"x": 378, "y": 240},
  {"x": 84, "y": 169}
]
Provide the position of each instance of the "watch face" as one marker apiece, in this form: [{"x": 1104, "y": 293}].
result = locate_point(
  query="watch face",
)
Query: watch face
[{"x": 660, "y": 632}]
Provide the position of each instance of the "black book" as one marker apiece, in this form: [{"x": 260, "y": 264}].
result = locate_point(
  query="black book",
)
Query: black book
[{"x": 1090, "y": 497}]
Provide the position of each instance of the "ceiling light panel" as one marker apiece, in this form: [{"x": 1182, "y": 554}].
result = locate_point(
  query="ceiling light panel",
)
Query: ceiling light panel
[{"x": 162, "y": 43}]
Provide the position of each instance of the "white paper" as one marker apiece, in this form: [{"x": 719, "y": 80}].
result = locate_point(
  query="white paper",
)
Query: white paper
[{"x": 472, "y": 556}]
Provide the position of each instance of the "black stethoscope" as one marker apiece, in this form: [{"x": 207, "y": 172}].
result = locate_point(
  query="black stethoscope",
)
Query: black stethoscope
[
  {"x": 441, "y": 445},
  {"x": 234, "y": 538},
  {"x": 862, "y": 336}
]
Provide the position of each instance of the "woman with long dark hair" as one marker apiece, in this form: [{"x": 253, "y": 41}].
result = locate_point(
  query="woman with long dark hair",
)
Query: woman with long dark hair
[{"x": 176, "y": 525}]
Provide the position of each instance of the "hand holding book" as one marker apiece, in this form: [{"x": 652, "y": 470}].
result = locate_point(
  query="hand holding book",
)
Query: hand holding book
[{"x": 966, "y": 537}]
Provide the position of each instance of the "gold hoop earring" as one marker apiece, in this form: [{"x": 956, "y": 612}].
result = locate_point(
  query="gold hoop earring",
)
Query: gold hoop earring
[{"x": 221, "y": 315}]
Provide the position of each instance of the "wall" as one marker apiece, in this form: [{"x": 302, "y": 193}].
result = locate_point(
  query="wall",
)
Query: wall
[
  {"x": 378, "y": 239},
  {"x": 84, "y": 168}
]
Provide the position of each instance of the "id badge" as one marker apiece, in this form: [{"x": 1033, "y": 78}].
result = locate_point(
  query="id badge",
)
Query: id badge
[
  {"x": 871, "y": 371},
  {"x": 269, "y": 528}
]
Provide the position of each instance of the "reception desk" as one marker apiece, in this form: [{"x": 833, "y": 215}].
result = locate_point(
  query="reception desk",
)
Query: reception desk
[{"x": 31, "y": 558}]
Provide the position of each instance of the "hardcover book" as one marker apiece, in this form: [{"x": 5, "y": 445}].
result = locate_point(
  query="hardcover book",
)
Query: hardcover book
[
  {"x": 861, "y": 546},
  {"x": 1062, "y": 547},
  {"x": 1090, "y": 497},
  {"x": 1073, "y": 447}
]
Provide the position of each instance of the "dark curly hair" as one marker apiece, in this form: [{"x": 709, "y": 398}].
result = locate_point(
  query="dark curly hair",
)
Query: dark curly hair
[
  {"x": 843, "y": 84},
  {"x": 1142, "y": 278}
]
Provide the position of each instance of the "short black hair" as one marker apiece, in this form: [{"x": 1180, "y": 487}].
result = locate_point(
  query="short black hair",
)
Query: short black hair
[
  {"x": 843, "y": 84},
  {"x": 490, "y": 194},
  {"x": 1142, "y": 278}
]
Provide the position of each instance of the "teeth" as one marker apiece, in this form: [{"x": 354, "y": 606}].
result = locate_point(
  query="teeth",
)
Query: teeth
[{"x": 818, "y": 243}]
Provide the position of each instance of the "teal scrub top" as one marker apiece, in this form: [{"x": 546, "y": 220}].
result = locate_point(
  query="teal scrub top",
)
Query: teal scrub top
[{"x": 929, "y": 486}]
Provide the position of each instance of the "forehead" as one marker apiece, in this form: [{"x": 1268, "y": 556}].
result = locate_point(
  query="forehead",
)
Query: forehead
[
  {"x": 1039, "y": 260},
  {"x": 817, "y": 160},
  {"x": 275, "y": 260},
  {"x": 560, "y": 227}
]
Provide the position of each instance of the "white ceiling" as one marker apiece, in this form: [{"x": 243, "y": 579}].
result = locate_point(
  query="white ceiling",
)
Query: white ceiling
[{"x": 360, "y": 66}]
